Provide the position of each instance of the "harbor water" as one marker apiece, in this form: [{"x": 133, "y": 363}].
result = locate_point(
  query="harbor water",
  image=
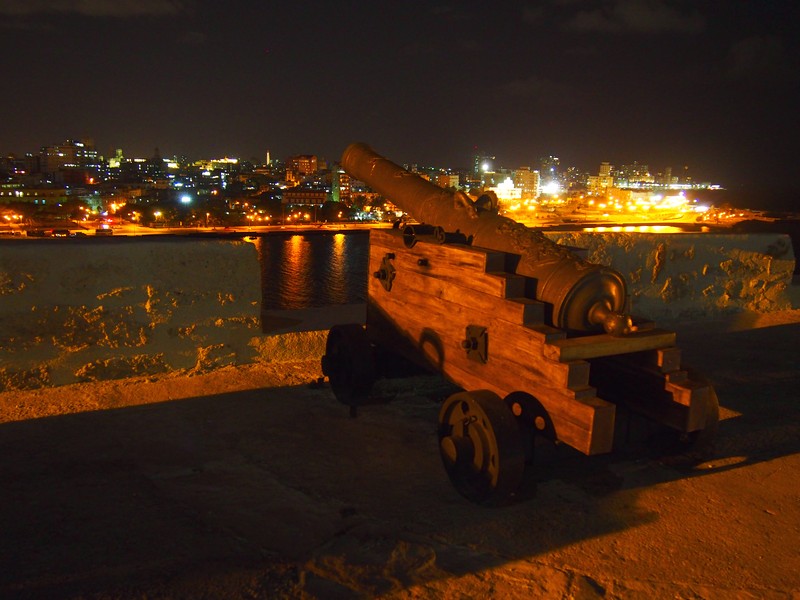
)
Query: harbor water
[{"x": 311, "y": 269}]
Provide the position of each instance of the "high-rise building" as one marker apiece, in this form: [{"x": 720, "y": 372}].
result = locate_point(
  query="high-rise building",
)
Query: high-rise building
[
  {"x": 528, "y": 181},
  {"x": 634, "y": 175},
  {"x": 550, "y": 169},
  {"x": 73, "y": 162},
  {"x": 72, "y": 154},
  {"x": 603, "y": 181},
  {"x": 340, "y": 187},
  {"x": 482, "y": 164}
]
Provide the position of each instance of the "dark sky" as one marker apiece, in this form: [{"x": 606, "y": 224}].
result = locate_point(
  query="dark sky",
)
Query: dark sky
[{"x": 711, "y": 84}]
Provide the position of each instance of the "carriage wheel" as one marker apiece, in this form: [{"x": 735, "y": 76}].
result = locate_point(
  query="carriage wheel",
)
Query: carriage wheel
[
  {"x": 349, "y": 364},
  {"x": 481, "y": 446}
]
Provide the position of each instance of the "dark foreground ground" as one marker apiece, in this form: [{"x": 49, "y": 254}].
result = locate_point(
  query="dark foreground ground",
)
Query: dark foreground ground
[{"x": 248, "y": 483}]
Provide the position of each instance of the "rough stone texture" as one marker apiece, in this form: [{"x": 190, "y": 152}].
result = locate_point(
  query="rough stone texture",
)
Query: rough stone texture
[
  {"x": 691, "y": 276},
  {"x": 75, "y": 310}
]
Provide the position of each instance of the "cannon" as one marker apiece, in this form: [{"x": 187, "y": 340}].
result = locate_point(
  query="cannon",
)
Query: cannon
[{"x": 540, "y": 341}]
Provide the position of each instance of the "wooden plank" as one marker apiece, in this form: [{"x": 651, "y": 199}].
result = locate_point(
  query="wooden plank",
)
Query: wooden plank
[
  {"x": 662, "y": 360},
  {"x": 532, "y": 311},
  {"x": 454, "y": 265},
  {"x": 593, "y": 346},
  {"x": 548, "y": 334},
  {"x": 668, "y": 359},
  {"x": 682, "y": 405},
  {"x": 684, "y": 391},
  {"x": 479, "y": 291},
  {"x": 458, "y": 256},
  {"x": 676, "y": 376},
  {"x": 578, "y": 374}
]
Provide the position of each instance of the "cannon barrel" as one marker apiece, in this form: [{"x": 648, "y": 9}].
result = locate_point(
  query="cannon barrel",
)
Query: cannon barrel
[{"x": 585, "y": 297}]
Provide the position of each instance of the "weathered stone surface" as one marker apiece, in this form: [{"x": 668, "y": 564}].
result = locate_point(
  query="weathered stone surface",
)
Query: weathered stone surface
[
  {"x": 121, "y": 367},
  {"x": 79, "y": 310},
  {"x": 23, "y": 379},
  {"x": 689, "y": 276}
]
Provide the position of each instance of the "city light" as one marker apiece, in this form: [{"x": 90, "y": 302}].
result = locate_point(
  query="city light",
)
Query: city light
[
  {"x": 240, "y": 193},
  {"x": 551, "y": 188}
]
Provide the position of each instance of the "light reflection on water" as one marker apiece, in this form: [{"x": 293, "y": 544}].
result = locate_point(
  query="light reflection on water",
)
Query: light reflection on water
[
  {"x": 317, "y": 269},
  {"x": 337, "y": 268},
  {"x": 635, "y": 229}
]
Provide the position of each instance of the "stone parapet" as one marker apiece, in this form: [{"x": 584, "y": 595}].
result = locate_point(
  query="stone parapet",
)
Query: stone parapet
[
  {"x": 91, "y": 310},
  {"x": 694, "y": 276},
  {"x": 85, "y": 310}
]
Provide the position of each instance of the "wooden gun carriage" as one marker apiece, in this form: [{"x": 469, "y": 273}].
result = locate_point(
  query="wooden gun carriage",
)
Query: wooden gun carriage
[{"x": 439, "y": 300}]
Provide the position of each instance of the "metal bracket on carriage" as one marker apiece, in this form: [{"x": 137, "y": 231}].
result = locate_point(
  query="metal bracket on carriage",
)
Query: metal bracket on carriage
[
  {"x": 476, "y": 343},
  {"x": 429, "y": 233},
  {"x": 386, "y": 272}
]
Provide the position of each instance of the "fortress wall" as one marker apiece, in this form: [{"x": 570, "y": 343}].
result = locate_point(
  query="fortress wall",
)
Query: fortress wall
[
  {"x": 83, "y": 310},
  {"x": 86, "y": 310}
]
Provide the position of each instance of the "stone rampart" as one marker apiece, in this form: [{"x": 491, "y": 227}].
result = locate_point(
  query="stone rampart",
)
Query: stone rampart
[{"x": 86, "y": 310}]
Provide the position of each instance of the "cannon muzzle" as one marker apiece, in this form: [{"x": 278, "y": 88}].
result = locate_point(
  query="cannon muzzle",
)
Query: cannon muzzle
[{"x": 585, "y": 297}]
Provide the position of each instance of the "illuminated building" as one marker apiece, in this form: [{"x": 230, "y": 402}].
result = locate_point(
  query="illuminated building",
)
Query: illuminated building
[
  {"x": 73, "y": 161},
  {"x": 635, "y": 176},
  {"x": 528, "y": 182},
  {"x": 305, "y": 196},
  {"x": 42, "y": 196},
  {"x": 19, "y": 167},
  {"x": 506, "y": 191},
  {"x": 340, "y": 186},
  {"x": 482, "y": 164},
  {"x": 447, "y": 180},
  {"x": 600, "y": 183},
  {"x": 300, "y": 166},
  {"x": 115, "y": 162},
  {"x": 218, "y": 164},
  {"x": 550, "y": 168}
]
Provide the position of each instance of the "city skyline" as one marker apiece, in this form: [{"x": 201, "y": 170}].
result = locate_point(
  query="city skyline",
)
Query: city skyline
[
  {"x": 490, "y": 163},
  {"x": 664, "y": 81}
]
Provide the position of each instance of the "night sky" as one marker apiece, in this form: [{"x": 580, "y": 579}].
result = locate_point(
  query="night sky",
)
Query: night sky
[{"x": 714, "y": 85}]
